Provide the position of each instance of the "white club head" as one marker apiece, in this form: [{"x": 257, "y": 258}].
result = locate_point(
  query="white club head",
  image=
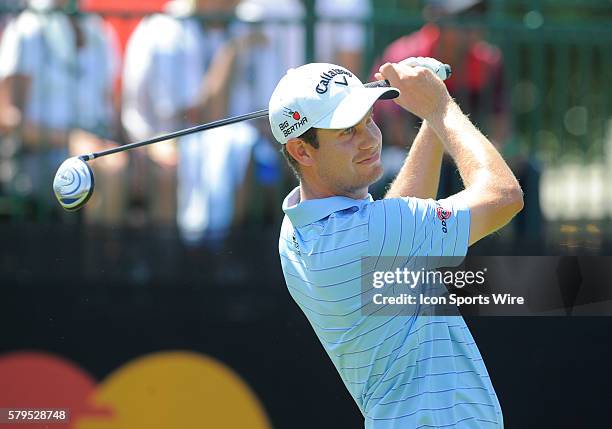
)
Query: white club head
[{"x": 73, "y": 183}]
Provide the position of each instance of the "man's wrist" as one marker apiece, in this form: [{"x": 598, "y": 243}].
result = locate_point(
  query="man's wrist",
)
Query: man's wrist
[
  {"x": 442, "y": 119},
  {"x": 431, "y": 136}
]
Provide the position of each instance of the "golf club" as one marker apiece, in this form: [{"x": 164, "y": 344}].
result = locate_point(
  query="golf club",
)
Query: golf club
[{"x": 74, "y": 182}]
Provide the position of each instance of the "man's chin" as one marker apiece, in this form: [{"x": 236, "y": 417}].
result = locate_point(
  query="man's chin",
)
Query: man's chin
[
  {"x": 377, "y": 174},
  {"x": 363, "y": 185}
]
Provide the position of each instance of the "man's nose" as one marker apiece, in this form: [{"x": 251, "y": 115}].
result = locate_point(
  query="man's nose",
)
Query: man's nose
[{"x": 366, "y": 141}]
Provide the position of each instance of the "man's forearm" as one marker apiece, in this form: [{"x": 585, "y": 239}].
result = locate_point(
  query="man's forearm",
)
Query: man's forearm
[
  {"x": 491, "y": 190},
  {"x": 420, "y": 174},
  {"x": 474, "y": 155},
  {"x": 491, "y": 193}
]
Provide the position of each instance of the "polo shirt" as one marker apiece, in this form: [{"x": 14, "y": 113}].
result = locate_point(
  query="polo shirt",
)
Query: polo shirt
[{"x": 407, "y": 370}]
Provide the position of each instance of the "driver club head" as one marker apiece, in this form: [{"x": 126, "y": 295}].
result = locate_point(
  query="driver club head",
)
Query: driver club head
[{"x": 73, "y": 183}]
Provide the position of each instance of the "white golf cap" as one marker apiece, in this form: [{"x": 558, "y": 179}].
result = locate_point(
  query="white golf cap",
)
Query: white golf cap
[{"x": 320, "y": 95}]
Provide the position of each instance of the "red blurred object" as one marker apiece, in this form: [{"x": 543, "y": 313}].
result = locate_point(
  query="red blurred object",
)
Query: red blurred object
[
  {"x": 123, "y": 24},
  {"x": 123, "y": 16},
  {"x": 40, "y": 380},
  {"x": 124, "y": 5}
]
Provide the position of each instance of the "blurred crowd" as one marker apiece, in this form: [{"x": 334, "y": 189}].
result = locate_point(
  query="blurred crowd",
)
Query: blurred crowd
[{"x": 67, "y": 89}]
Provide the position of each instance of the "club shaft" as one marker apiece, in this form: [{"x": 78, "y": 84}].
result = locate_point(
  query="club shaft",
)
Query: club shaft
[
  {"x": 204, "y": 127},
  {"x": 191, "y": 130}
]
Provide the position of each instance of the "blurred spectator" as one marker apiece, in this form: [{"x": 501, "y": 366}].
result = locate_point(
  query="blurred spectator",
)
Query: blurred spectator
[
  {"x": 477, "y": 83},
  {"x": 181, "y": 70},
  {"x": 57, "y": 73},
  {"x": 340, "y": 42},
  {"x": 213, "y": 181},
  {"x": 278, "y": 21},
  {"x": 339, "y": 35}
]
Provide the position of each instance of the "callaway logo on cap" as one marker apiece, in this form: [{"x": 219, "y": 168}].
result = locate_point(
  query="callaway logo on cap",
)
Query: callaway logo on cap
[{"x": 320, "y": 95}]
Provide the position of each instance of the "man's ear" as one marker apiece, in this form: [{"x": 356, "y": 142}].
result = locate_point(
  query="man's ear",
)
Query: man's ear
[{"x": 301, "y": 151}]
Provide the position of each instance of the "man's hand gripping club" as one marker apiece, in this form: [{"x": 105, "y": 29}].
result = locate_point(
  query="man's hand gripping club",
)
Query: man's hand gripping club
[{"x": 491, "y": 191}]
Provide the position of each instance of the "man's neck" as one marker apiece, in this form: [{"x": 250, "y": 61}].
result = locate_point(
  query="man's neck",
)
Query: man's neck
[{"x": 308, "y": 192}]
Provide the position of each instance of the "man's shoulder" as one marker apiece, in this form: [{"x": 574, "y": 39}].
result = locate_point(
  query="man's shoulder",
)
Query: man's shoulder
[
  {"x": 336, "y": 219},
  {"x": 286, "y": 230},
  {"x": 364, "y": 216},
  {"x": 399, "y": 202},
  {"x": 340, "y": 220},
  {"x": 388, "y": 214},
  {"x": 362, "y": 211}
]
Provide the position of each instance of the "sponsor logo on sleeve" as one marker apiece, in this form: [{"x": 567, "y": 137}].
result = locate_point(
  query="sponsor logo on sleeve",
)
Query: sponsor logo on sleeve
[{"x": 443, "y": 214}]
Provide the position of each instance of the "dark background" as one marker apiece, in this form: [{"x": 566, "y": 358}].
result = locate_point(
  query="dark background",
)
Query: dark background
[{"x": 104, "y": 297}]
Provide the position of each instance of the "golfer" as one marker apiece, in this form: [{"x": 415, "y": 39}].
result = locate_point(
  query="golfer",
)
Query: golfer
[{"x": 402, "y": 371}]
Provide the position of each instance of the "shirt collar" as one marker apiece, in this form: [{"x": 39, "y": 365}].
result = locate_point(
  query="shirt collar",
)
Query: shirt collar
[{"x": 309, "y": 211}]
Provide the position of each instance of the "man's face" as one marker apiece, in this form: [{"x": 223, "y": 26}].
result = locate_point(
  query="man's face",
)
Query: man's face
[{"x": 348, "y": 161}]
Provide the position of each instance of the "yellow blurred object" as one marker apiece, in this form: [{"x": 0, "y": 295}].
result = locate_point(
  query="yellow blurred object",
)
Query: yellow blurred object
[
  {"x": 593, "y": 229},
  {"x": 569, "y": 229},
  {"x": 175, "y": 390}
]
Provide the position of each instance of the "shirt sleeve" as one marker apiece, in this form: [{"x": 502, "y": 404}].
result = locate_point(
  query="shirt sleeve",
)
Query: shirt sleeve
[
  {"x": 21, "y": 48},
  {"x": 412, "y": 227}
]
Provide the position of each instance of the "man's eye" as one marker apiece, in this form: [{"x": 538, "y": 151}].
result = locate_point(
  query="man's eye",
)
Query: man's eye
[{"x": 348, "y": 131}]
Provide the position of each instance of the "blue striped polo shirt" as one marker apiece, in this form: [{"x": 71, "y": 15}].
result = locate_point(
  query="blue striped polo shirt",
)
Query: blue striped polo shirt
[{"x": 403, "y": 371}]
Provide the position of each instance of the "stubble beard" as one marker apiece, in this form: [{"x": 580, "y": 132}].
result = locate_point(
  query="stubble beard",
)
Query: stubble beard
[{"x": 361, "y": 182}]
